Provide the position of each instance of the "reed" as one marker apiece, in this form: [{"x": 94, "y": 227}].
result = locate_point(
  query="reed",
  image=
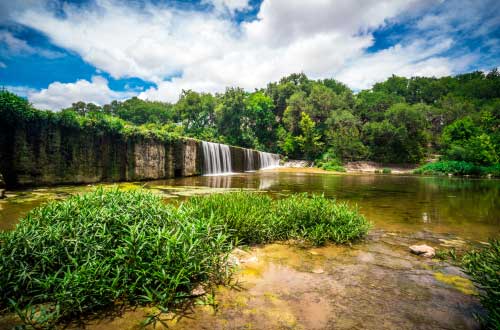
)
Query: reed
[{"x": 483, "y": 265}]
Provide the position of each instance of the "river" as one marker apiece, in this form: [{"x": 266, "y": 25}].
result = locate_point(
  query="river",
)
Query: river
[{"x": 373, "y": 284}]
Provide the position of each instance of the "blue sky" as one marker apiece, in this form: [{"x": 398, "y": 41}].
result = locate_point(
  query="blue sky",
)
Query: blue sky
[{"x": 56, "y": 52}]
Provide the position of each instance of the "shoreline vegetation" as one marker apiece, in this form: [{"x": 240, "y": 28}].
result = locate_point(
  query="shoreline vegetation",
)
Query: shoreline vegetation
[
  {"x": 399, "y": 121},
  {"x": 91, "y": 252},
  {"x": 483, "y": 265}
]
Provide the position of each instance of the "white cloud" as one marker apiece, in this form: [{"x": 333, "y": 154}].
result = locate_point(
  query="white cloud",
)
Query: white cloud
[
  {"x": 228, "y": 6},
  {"x": 208, "y": 51},
  {"x": 420, "y": 58},
  {"x": 23, "y": 91},
  {"x": 61, "y": 95},
  {"x": 14, "y": 46}
]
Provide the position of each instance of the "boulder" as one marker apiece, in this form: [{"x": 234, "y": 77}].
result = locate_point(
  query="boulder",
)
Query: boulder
[{"x": 423, "y": 250}]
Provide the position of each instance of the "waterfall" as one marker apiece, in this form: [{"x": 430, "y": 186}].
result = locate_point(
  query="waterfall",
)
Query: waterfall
[
  {"x": 268, "y": 160},
  {"x": 248, "y": 161},
  {"x": 216, "y": 158}
]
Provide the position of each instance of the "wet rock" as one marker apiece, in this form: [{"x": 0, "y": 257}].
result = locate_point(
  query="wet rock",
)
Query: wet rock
[{"x": 423, "y": 250}]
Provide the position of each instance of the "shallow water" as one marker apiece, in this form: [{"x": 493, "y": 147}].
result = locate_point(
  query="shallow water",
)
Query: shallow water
[{"x": 374, "y": 284}]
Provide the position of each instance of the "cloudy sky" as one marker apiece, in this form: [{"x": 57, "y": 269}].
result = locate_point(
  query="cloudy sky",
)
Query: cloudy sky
[{"x": 57, "y": 52}]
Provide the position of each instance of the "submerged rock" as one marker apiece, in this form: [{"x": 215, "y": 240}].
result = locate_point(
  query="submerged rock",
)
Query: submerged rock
[{"x": 423, "y": 250}]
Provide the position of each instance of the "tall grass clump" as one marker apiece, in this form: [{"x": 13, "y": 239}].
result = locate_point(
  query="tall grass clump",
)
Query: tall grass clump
[
  {"x": 256, "y": 218},
  {"x": 484, "y": 267},
  {"x": 70, "y": 258}
]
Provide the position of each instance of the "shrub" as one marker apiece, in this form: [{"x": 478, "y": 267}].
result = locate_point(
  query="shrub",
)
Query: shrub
[
  {"x": 333, "y": 167},
  {"x": 73, "y": 257},
  {"x": 386, "y": 170},
  {"x": 447, "y": 167},
  {"x": 330, "y": 162},
  {"x": 458, "y": 168},
  {"x": 484, "y": 267}
]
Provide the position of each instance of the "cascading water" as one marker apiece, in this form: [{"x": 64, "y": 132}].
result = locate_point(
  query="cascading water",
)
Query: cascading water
[
  {"x": 249, "y": 162},
  {"x": 268, "y": 160},
  {"x": 216, "y": 158}
]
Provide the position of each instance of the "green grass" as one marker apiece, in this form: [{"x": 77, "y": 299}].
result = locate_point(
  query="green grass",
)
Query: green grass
[
  {"x": 87, "y": 253},
  {"x": 484, "y": 267},
  {"x": 458, "y": 168},
  {"x": 256, "y": 218}
]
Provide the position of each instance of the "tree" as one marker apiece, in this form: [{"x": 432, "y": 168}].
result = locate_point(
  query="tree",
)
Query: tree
[
  {"x": 296, "y": 104},
  {"x": 401, "y": 137},
  {"x": 321, "y": 102},
  {"x": 196, "y": 111},
  {"x": 459, "y": 132},
  {"x": 140, "y": 112},
  {"x": 259, "y": 118},
  {"x": 287, "y": 144},
  {"x": 371, "y": 105},
  {"x": 280, "y": 92},
  {"x": 229, "y": 112},
  {"x": 83, "y": 108},
  {"x": 344, "y": 136},
  {"x": 309, "y": 141}
]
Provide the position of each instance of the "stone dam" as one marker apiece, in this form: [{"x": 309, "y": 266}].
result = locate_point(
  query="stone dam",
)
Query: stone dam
[{"x": 35, "y": 155}]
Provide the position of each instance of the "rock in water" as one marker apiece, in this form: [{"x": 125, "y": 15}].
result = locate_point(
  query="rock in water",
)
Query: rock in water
[{"x": 423, "y": 250}]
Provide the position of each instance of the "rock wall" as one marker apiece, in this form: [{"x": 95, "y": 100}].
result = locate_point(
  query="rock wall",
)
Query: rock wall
[
  {"x": 41, "y": 154},
  {"x": 44, "y": 153}
]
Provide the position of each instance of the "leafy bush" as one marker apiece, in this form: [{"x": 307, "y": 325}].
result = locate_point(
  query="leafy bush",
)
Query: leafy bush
[
  {"x": 386, "y": 170},
  {"x": 484, "y": 267},
  {"x": 69, "y": 258},
  {"x": 457, "y": 168},
  {"x": 330, "y": 162}
]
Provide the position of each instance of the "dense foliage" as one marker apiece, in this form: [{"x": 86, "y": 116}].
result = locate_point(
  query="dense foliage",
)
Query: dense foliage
[
  {"x": 72, "y": 257},
  {"x": 484, "y": 267},
  {"x": 458, "y": 168},
  {"x": 400, "y": 120}
]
